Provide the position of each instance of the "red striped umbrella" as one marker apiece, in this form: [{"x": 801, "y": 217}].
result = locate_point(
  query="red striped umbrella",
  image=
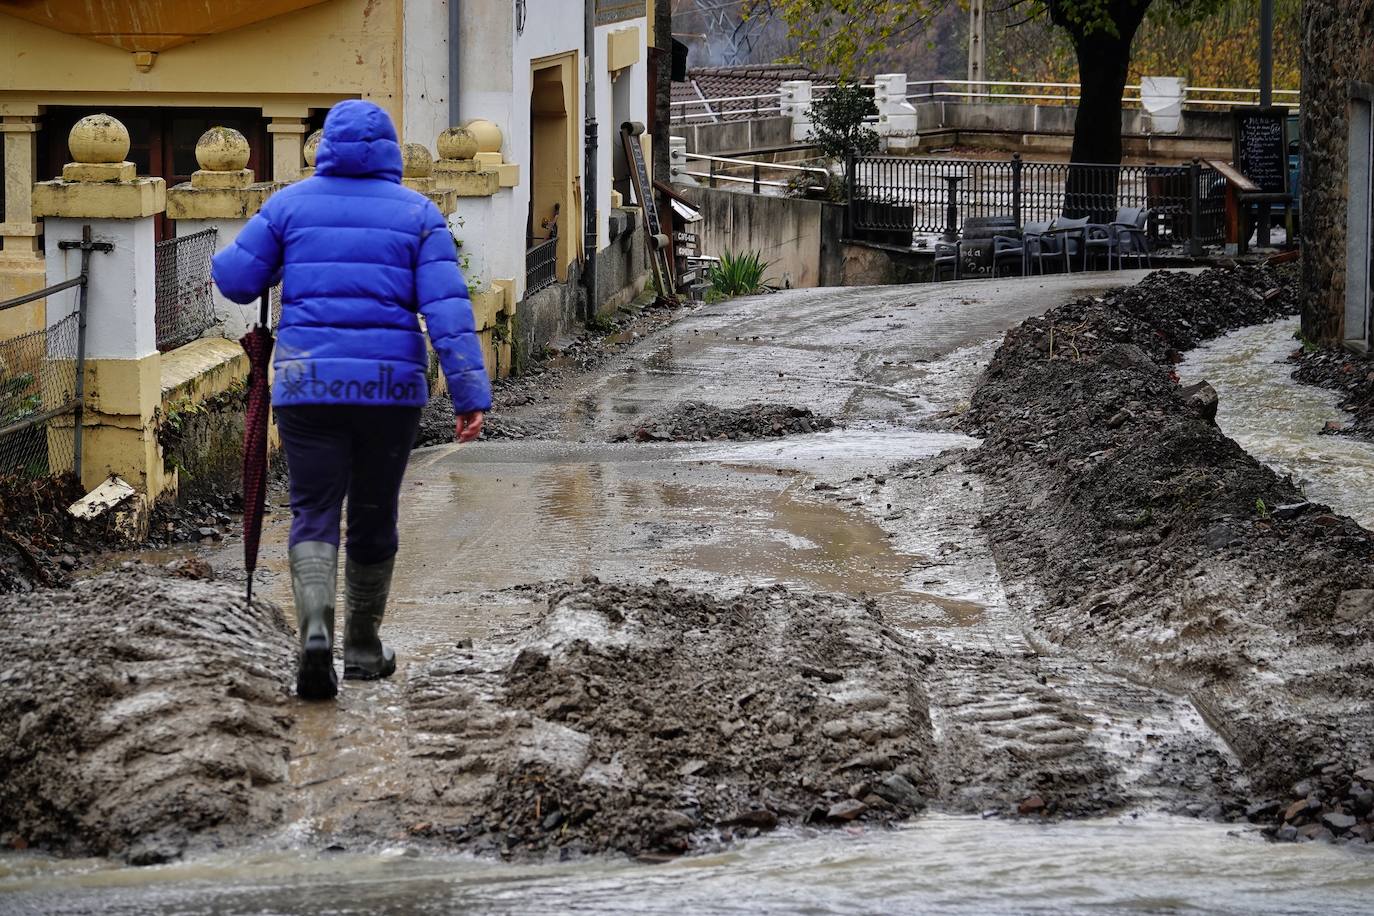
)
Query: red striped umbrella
[{"x": 257, "y": 343}]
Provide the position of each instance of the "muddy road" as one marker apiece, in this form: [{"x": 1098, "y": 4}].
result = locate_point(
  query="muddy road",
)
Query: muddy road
[{"x": 665, "y": 620}]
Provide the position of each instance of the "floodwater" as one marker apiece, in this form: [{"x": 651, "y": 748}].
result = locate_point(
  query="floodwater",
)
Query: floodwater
[
  {"x": 1279, "y": 421},
  {"x": 829, "y": 512},
  {"x": 940, "y": 864}
]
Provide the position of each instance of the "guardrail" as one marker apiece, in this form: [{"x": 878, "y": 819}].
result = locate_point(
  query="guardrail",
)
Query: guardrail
[
  {"x": 1194, "y": 97},
  {"x": 1014, "y": 91},
  {"x": 714, "y": 173}
]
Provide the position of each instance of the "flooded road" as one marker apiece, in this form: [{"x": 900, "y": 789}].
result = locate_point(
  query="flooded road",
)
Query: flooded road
[
  {"x": 938, "y": 865},
  {"x": 849, "y": 512},
  {"x": 1278, "y": 420}
]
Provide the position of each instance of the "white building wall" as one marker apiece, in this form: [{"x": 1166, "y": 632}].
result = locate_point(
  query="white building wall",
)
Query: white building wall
[
  {"x": 494, "y": 85},
  {"x": 424, "y": 90},
  {"x": 608, "y": 125}
]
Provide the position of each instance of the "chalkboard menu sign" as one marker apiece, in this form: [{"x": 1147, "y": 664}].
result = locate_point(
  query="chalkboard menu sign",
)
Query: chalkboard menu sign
[{"x": 1260, "y": 147}]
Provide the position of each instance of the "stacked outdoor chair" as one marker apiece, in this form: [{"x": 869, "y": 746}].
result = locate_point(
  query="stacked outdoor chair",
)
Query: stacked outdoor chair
[
  {"x": 1016, "y": 249},
  {"x": 1064, "y": 242},
  {"x": 976, "y": 249},
  {"x": 1124, "y": 237}
]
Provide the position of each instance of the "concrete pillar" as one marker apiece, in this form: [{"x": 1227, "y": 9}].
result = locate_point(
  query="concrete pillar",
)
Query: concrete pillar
[
  {"x": 21, "y": 252},
  {"x": 796, "y": 104},
  {"x": 677, "y": 162},
  {"x": 123, "y": 377},
  {"x": 288, "y": 141},
  {"x": 895, "y": 114},
  {"x": 221, "y": 195},
  {"x": 20, "y": 231}
]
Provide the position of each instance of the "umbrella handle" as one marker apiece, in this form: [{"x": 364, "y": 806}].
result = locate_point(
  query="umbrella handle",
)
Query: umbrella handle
[{"x": 265, "y": 310}]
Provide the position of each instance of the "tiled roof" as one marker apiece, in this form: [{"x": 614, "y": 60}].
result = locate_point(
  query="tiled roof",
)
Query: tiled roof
[{"x": 729, "y": 82}]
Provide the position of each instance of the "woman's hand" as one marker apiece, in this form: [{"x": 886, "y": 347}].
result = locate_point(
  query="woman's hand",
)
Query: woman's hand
[{"x": 469, "y": 426}]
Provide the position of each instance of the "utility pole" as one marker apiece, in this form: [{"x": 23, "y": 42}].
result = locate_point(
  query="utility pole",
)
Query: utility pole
[
  {"x": 1266, "y": 88},
  {"x": 589, "y": 169},
  {"x": 977, "y": 57},
  {"x": 1266, "y": 45},
  {"x": 663, "y": 87}
]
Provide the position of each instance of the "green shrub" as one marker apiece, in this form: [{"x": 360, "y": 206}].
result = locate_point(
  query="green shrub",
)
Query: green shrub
[{"x": 738, "y": 274}]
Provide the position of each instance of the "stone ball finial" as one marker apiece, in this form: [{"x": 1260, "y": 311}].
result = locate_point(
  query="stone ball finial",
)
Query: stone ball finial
[
  {"x": 222, "y": 149},
  {"x": 312, "y": 147},
  {"x": 98, "y": 138},
  {"x": 416, "y": 161},
  {"x": 487, "y": 134},
  {"x": 457, "y": 143}
]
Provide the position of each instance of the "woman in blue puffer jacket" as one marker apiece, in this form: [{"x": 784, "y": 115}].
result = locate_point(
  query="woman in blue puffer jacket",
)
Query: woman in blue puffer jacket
[{"x": 360, "y": 258}]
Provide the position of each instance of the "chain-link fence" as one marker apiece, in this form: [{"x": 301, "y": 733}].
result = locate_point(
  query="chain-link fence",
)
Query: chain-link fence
[
  {"x": 38, "y": 400},
  {"x": 185, "y": 304}
]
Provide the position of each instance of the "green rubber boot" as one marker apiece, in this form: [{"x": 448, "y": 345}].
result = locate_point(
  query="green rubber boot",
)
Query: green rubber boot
[
  {"x": 314, "y": 580},
  {"x": 366, "y": 587}
]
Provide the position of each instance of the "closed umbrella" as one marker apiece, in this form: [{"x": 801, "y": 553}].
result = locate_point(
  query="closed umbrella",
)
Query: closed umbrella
[{"x": 257, "y": 343}]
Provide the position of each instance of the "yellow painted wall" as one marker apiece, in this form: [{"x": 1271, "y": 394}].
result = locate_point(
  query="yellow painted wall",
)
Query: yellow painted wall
[
  {"x": 315, "y": 56},
  {"x": 18, "y": 280}
]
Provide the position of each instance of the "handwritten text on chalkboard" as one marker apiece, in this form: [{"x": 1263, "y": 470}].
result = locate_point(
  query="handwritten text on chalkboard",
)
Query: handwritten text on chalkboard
[{"x": 1260, "y": 151}]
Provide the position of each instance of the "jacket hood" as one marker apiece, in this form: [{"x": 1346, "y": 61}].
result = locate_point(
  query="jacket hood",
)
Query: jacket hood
[{"x": 359, "y": 141}]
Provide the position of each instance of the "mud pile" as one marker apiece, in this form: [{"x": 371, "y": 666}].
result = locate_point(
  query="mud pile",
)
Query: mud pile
[
  {"x": 695, "y": 421},
  {"x": 653, "y": 720},
  {"x": 1133, "y": 525},
  {"x": 437, "y": 425},
  {"x": 40, "y": 542},
  {"x": 142, "y": 713},
  {"x": 1351, "y": 374}
]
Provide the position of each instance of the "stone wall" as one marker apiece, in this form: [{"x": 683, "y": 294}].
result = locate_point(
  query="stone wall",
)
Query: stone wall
[{"x": 1337, "y": 53}]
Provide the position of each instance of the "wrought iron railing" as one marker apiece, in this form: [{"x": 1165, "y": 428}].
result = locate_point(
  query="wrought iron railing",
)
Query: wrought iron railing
[
  {"x": 541, "y": 266},
  {"x": 892, "y": 194},
  {"x": 185, "y": 303}
]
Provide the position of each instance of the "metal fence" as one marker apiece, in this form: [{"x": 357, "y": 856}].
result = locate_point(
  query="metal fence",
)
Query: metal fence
[
  {"x": 185, "y": 304},
  {"x": 37, "y": 398},
  {"x": 892, "y": 194},
  {"x": 541, "y": 266},
  {"x": 42, "y": 380}
]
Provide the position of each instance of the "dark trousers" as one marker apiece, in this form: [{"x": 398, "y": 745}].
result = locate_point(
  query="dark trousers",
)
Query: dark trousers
[{"x": 333, "y": 451}]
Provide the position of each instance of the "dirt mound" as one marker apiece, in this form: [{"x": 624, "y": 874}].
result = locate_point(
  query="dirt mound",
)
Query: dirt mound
[
  {"x": 40, "y": 542},
  {"x": 1138, "y": 527},
  {"x": 695, "y": 421},
  {"x": 141, "y": 712},
  {"x": 437, "y": 425},
  {"x": 649, "y": 719},
  {"x": 1352, "y": 374}
]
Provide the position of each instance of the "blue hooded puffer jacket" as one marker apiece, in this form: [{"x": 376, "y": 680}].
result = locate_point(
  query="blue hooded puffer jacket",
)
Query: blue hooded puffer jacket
[{"x": 359, "y": 258}]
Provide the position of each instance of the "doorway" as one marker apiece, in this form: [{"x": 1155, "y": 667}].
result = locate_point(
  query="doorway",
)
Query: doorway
[{"x": 554, "y": 155}]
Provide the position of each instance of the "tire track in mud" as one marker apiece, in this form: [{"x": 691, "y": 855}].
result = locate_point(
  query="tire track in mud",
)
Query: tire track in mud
[
  {"x": 1019, "y": 725},
  {"x": 143, "y": 714}
]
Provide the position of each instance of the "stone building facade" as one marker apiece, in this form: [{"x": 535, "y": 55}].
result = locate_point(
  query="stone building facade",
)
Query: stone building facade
[{"x": 1338, "y": 172}]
